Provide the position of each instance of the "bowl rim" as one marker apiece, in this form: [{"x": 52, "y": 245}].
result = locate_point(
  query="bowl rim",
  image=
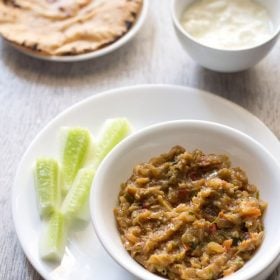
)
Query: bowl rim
[
  {"x": 96, "y": 216},
  {"x": 125, "y": 38},
  {"x": 179, "y": 26}
]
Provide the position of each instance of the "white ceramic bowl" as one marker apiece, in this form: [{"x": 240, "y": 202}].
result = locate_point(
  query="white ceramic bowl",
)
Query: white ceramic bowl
[
  {"x": 222, "y": 60},
  {"x": 261, "y": 167},
  {"x": 94, "y": 54}
]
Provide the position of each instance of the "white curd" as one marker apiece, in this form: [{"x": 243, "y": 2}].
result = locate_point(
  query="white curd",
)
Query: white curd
[{"x": 227, "y": 24}]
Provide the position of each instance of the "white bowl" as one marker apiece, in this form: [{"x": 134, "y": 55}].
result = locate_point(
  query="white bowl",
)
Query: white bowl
[
  {"x": 260, "y": 166},
  {"x": 94, "y": 54},
  {"x": 223, "y": 60}
]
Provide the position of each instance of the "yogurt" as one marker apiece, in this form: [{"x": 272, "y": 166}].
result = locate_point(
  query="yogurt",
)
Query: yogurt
[{"x": 227, "y": 24}]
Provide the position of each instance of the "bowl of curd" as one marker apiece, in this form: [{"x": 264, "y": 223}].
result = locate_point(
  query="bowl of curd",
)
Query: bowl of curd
[{"x": 227, "y": 35}]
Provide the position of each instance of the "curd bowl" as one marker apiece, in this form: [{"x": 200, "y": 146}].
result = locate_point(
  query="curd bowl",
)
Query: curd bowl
[{"x": 225, "y": 60}]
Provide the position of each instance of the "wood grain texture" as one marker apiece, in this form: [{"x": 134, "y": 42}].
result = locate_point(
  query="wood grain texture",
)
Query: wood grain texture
[{"x": 32, "y": 92}]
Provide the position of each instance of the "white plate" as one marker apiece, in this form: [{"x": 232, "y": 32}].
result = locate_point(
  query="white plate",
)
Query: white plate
[
  {"x": 94, "y": 54},
  {"x": 143, "y": 106}
]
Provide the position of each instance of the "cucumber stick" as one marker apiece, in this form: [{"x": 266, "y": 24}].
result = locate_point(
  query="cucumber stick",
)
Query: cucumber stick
[
  {"x": 76, "y": 149},
  {"x": 47, "y": 185},
  {"x": 114, "y": 131},
  {"x": 53, "y": 239},
  {"x": 77, "y": 182},
  {"x": 76, "y": 199}
]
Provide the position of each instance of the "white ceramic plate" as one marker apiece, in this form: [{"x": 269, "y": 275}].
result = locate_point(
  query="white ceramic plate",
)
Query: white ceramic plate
[
  {"x": 94, "y": 54},
  {"x": 142, "y": 105}
]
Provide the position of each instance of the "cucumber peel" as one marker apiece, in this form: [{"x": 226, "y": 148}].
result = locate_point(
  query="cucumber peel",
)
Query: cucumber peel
[
  {"x": 46, "y": 184},
  {"x": 76, "y": 199},
  {"x": 76, "y": 149},
  {"x": 53, "y": 238},
  {"x": 114, "y": 131}
]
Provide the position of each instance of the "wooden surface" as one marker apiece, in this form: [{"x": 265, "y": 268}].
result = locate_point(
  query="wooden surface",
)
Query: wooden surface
[{"x": 32, "y": 92}]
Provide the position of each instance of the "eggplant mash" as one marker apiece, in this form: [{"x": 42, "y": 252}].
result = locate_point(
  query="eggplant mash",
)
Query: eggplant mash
[{"x": 190, "y": 215}]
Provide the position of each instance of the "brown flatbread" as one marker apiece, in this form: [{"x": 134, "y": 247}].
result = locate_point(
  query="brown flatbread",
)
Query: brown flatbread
[{"x": 66, "y": 27}]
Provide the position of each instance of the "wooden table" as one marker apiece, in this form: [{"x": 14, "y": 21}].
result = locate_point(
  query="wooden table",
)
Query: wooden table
[{"x": 32, "y": 92}]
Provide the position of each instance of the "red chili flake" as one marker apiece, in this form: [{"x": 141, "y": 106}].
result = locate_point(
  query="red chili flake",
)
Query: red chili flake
[
  {"x": 194, "y": 176},
  {"x": 145, "y": 205},
  {"x": 213, "y": 229},
  {"x": 182, "y": 194},
  {"x": 187, "y": 247}
]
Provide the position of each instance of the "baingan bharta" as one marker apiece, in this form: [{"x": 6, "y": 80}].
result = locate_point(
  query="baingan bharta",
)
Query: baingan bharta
[{"x": 190, "y": 215}]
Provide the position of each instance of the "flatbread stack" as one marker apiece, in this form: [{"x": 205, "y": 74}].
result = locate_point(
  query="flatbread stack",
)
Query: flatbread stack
[{"x": 66, "y": 27}]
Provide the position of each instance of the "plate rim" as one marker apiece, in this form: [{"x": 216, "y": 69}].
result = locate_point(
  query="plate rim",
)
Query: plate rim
[
  {"x": 123, "y": 40},
  {"x": 105, "y": 94}
]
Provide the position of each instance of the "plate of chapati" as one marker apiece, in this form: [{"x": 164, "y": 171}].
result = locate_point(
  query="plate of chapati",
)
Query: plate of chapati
[{"x": 70, "y": 30}]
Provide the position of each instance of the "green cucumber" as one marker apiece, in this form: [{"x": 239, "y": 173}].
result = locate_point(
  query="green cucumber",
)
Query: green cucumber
[
  {"x": 76, "y": 200},
  {"x": 53, "y": 239},
  {"x": 84, "y": 213},
  {"x": 47, "y": 186},
  {"x": 114, "y": 131},
  {"x": 76, "y": 149}
]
